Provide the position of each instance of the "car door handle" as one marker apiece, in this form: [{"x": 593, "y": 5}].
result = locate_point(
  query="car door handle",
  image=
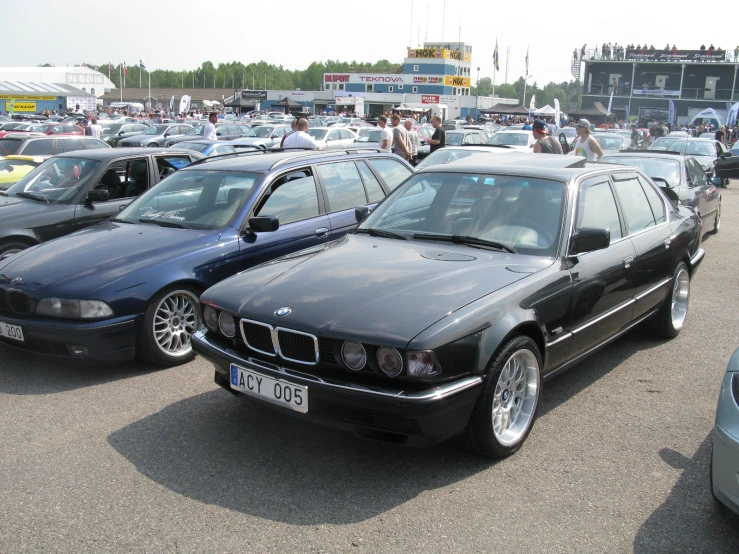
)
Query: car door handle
[
  {"x": 322, "y": 232},
  {"x": 627, "y": 261}
]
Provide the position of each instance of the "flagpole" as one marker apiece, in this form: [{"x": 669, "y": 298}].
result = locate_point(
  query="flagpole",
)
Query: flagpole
[
  {"x": 120, "y": 81},
  {"x": 148, "y": 73}
]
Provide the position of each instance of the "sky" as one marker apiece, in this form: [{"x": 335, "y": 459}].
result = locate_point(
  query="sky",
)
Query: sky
[{"x": 180, "y": 35}]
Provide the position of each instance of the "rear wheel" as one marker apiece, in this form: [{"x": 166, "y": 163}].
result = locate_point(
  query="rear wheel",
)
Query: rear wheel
[
  {"x": 506, "y": 409},
  {"x": 671, "y": 317},
  {"x": 8, "y": 248},
  {"x": 170, "y": 320}
]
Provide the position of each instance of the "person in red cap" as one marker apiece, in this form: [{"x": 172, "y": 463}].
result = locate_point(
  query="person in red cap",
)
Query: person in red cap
[{"x": 544, "y": 144}]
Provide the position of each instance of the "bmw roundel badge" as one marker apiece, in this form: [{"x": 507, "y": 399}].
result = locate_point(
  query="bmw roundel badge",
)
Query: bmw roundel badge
[{"x": 283, "y": 311}]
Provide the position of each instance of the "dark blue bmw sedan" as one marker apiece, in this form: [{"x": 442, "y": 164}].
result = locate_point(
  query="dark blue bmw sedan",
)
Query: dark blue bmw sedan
[{"x": 131, "y": 284}]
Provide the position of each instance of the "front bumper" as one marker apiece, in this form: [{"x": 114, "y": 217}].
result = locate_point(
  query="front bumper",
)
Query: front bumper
[
  {"x": 413, "y": 418},
  {"x": 109, "y": 340}
]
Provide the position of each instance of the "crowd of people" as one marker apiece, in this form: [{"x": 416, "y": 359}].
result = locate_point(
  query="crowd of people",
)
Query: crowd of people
[{"x": 610, "y": 51}]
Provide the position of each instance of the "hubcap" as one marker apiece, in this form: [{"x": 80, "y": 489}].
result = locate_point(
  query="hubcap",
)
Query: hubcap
[
  {"x": 680, "y": 298},
  {"x": 175, "y": 320},
  {"x": 515, "y": 398}
]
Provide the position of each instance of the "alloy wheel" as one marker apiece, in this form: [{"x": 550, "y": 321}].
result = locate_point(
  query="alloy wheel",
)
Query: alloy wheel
[
  {"x": 176, "y": 318},
  {"x": 680, "y": 298},
  {"x": 515, "y": 398}
]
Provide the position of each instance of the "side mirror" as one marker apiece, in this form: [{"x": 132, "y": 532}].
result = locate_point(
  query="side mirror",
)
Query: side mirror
[
  {"x": 724, "y": 155},
  {"x": 589, "y": 239},
  {"x": 716, "y": 181},
  {"x": 361, "y": 213},
  {"x": 264, "y": 224},
  {"x": 97, "y": 195}
]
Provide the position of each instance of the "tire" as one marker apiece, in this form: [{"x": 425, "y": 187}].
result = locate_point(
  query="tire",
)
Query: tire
[
  {"x": 11, "y": 247},
  {"x": 671, "y": 317},
  {"x": 171, "y": 318},
  {"x": 514, "y": 374},
  {"x": 153, "y": 145},
  {"x": 717, "y": 220}
]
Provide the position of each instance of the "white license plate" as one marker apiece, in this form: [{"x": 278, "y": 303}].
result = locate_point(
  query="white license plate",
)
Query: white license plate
[
  {"x": 9, "y": 331},
  {"x": 276, "y": 391}
]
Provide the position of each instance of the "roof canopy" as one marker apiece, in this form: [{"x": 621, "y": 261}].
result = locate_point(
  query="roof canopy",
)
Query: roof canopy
[
  {"x": 597, "y": 110},
  {"x": 287, "y": 102},
  {"x": 507, "y": 109},
  {"x": 546, "y": 110}
]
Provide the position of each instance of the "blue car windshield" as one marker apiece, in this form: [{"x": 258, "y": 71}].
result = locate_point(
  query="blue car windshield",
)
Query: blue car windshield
[
  {"x": 195, "y": 199},
  {"x": 522, "y": 213}
]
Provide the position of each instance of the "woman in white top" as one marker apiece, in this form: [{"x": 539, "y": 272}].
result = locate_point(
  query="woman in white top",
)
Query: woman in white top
[{"x": 585, "y": 145}]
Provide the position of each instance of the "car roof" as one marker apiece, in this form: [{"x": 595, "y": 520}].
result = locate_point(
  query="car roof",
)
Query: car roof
[
  {"x": 110, "y": 153},
  {"x": 262, "y": 161},
  {"x": 544, "y": 166}
]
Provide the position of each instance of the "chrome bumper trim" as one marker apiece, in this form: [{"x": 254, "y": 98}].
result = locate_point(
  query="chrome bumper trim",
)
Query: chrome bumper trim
[{"x": 697, "y": 257}]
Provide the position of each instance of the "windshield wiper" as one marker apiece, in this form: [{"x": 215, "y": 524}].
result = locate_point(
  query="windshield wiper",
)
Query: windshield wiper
[
  {"x": 469, "y": 241},
  {"x": 163, "y": 223},
  {"x": 31, "y": 196},
  {"x": 381, "y": 233},
  {"x": 122, "y": 221}
]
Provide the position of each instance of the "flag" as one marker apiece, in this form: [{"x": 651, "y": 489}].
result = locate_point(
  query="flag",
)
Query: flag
[
  {"x": 672, "y": 113},
  {"x": 125, "y": 69},
  {"x": 527, "y": 61},
  {"x": 732, "y": 115},
  {"x": 610, "y": 102},
  {"x": 496, "y": 61},
  {"x": 532, "y": 106},
  {"x": 141, "y": 64},
  {"x": 557, "y": 113},
  {"x": 171, "y": 103}
]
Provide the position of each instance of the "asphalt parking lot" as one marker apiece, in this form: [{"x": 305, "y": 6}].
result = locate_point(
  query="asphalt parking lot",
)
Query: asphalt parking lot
[{"x": 136, "y": 459}]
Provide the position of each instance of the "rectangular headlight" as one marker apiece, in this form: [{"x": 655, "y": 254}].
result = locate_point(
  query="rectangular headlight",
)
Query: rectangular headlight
[{"x": 73, "y": 309}]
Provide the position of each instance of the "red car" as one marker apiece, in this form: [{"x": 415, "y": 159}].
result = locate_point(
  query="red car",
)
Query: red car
[{"x": 60, "y": 129}]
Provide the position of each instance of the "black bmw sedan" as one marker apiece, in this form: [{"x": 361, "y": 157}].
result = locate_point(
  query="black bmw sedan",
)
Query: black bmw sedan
[{"x": 445, "y": 311}]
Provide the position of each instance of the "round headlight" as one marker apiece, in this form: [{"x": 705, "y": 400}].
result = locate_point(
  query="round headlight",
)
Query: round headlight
[
  {"x": 354, "y": 355},
  {"x": 226, "y": 324},
  {"x": 390, "y": 361},
  {"x": 211, "y": 318}
]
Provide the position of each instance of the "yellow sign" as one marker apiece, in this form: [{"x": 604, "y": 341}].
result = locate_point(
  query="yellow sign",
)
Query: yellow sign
[
  {"x": 455, "y": 81},
  {"x": 439, "y": 53},
  {"x": 11, "y": 107},
  {"x": 25, "y": 97}
]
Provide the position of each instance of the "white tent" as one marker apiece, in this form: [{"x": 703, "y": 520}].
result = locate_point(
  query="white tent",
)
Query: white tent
[
  {"x": 708, "y": 113},
  {"x": 546, "y": 110}
]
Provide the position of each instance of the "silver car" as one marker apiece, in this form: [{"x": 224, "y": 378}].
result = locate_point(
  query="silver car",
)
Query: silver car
[
  {"x": 157, "y": 135},
  {"x": 725, "y": 454},
  {"x": 264, "y": 136}
]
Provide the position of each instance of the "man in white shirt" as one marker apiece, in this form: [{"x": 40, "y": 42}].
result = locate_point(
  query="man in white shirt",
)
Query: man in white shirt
[
  {"x": 413, "y": 140},
  {"x": 301, "y": 139},
  {"x": 95, "y": 129},
  {"x": 386, "y": 136},
  {"x": 210, "y": 128}
]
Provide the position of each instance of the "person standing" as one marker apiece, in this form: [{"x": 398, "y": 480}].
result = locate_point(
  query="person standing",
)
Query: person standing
[
  {"x": 545, "y": 143},
  {"x": 300, "y": 138},
  {"x": 400, "y": 139},
  {"x": 386, "y": 136},
  {"x": 95, "y": 129},
  {"x": 438, "y": 139},
  {"x": 413, "y": 139},
  {"x": 293, "y": 128},
  {"x": 210, "y": 128},
  {"x": 585, "y": 145}
]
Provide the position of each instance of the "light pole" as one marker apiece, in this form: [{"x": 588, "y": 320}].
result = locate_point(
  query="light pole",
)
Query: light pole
[{"x": 524, "y": 89}]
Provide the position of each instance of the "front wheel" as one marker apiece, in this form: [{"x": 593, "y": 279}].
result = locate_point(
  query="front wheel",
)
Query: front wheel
[
  {"x": 671, "y": 317},
  {"x": 506, "y": 409},
  {"x": 169, "y": 323},
  {"x": 11, "y": 247}
]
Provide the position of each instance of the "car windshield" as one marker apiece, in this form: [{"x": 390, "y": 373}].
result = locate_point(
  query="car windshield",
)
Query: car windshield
[
  {"x": 454, "y": 139},
  {"x": 450, "y": 122},
  {"x": 263, "y": 131},
  {"x": 372, "y": 136},
  {"x": 156, "y": 130},
  {"x": 612, "y": 143},
  {"x": 56, "y": 181},
  {"x": 196, "y": 132},
  {"x": 112, "y": 129},
  {"x": 663, "y": 143},
  {"x": 192, "y": 145},
  {"x": 40, "y": 128},
  {"x": 446, "y": 155},
  {"x": 503, "y": 211},
  {"x": 657, "y": 168},
  {"x": 194, "y": 199},
  {"x": 318, "y": 134},
  {"x": 511, "y": 139},
  {"x": 9, "y": 146},
  {"x": 696, "y": 148}
]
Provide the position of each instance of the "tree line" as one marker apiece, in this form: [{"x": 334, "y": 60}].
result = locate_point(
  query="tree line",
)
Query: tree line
[{"x": 262, "y": 75}]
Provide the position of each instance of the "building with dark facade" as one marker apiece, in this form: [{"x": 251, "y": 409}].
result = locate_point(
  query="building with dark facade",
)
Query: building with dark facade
[{"x": 643, "y": 82}]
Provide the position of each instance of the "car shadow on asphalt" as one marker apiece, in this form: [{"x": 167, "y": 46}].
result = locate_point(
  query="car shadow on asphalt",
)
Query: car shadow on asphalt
[
  {"x": 24, "y": 374},
  {"x": 240, "y": 454},
  {"x": 690, "y": 514}
]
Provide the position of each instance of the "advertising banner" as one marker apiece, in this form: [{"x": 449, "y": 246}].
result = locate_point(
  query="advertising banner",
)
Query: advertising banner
[
  {"x": 254, "y": 94},
  {"x": 655, "y": 92},
  {"x": 456, "y": 81},
  {"x": 439, "y": 53},
  {"x": 674, "y": 56},
  {"x": 25, "y": 97},
  {"x": 82, "y": 103},
  {"x": 429, "y": 99},
  {"x": 15, "y": 106}
]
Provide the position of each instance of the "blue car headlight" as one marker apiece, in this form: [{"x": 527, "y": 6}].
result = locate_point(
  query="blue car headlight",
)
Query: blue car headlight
[{"x": 73, "y": 309}]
